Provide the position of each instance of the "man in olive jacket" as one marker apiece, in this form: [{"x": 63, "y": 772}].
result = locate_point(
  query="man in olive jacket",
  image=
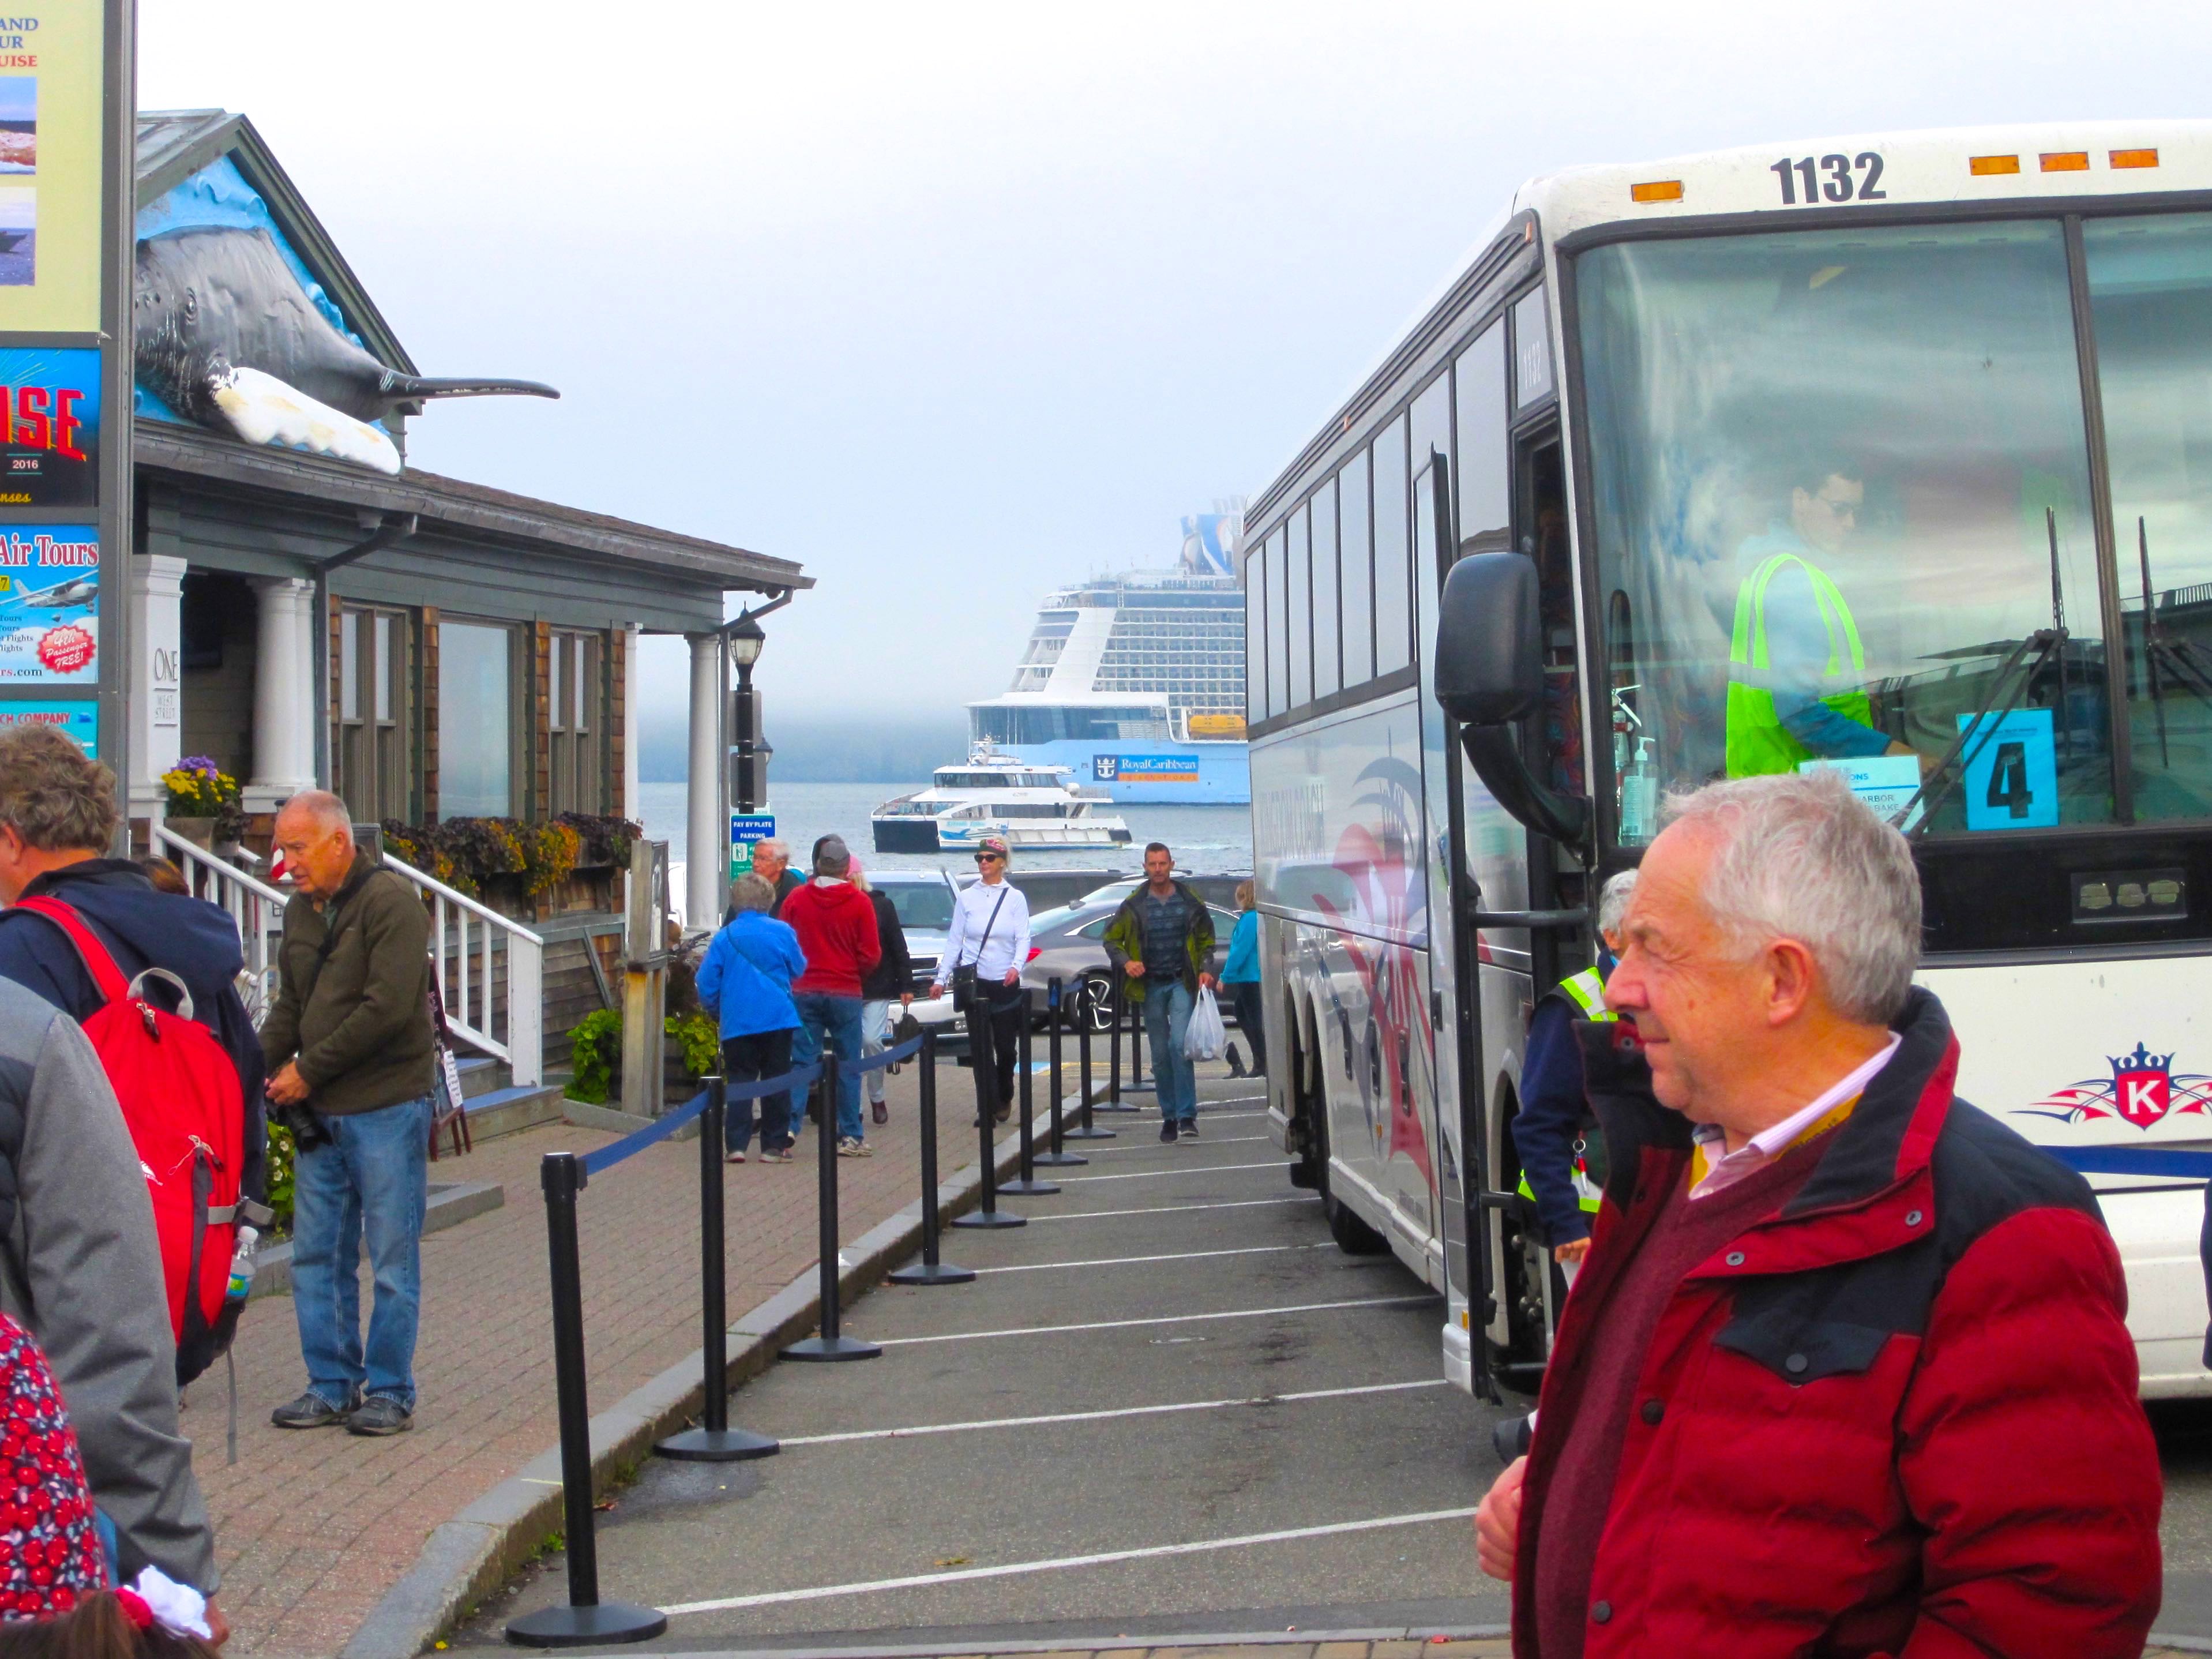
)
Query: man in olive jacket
[
  {"x": 1161, "y": 940},
  {"x": 351, "y": 1059}
]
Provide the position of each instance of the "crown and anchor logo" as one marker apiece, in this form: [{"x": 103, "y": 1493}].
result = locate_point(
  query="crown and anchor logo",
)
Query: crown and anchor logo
[{"x": 2143, "y": 1089}]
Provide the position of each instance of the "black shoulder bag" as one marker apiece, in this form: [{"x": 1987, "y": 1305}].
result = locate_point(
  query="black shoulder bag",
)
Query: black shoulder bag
[{"x": 963, "y": 974}]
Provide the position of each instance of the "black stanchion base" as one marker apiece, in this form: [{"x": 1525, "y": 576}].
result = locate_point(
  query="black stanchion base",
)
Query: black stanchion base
[
  {"x": 922, "y": 1273},
  {"x": 1031, "y": 1189},
  {"x": 991, "y": 1218},
  {"x": 1057, "y": 1160},
  {"x": 584, "y": 1627},
  {"x": 1101, "y": 1107},
  {"x": 1088, "y": 1134},
  {"x": 716, "y": 1446},
  {"x": 827, "y": 1348}
]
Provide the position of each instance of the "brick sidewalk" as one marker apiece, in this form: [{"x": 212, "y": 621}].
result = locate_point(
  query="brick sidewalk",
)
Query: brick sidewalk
[{"x": 312, "y": 1527}]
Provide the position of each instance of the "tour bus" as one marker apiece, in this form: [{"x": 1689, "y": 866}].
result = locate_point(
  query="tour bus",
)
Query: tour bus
[{"x": 1954, "y": 390}]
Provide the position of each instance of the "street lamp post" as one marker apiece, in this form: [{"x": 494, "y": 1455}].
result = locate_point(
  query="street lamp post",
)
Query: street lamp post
[{"x": 746, "y": 638}]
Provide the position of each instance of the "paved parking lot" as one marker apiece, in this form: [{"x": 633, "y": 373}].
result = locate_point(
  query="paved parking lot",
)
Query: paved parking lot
[{"x": 1167, "y": 1406}]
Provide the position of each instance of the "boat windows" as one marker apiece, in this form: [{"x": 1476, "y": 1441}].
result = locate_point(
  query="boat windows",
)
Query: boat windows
[{"x": 1870, "y": 532}]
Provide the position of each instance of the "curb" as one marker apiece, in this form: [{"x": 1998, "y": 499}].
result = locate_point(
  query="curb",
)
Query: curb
[
  {"x": 487, "y": 1543},
  {"x": 1206, "y": 1641},
  {"x": 451, "y": 1204}
]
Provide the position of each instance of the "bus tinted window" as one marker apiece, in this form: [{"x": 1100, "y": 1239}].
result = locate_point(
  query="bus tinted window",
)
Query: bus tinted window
[
  {"x": 1485, "y": 470},
  {"x": 1532, "y": 350},
  {"x": 1394, "y": 610},
  {"x": 1301, "y": 578},
  {"x": 1255, "y": 635},
  {"x": 1355, "y": 573},
  {"x": 2150, "y": 290},
  {"x": 1278, "y": 622},
  {"x": 1839, "y": 476},
  {"x": 1326, "y": 670}
]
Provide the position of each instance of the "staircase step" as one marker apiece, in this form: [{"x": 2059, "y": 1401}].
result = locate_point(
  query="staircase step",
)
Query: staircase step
[
  {"x": 481, "y": 1074},
  {"x": 513, "y": 1109}
]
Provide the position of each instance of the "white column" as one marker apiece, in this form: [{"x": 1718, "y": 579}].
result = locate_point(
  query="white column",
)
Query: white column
[
  {"x": 156, "y": 689},
  {"x": 633, "y": 639},
  {"x": 708, "y": 831},
  {"x": 285, "y": 700}
]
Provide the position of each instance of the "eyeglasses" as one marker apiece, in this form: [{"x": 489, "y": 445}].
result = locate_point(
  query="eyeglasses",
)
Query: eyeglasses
[{"x": 990, "y": 858}]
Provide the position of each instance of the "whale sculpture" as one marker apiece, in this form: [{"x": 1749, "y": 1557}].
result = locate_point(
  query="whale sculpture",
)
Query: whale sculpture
[{"x": 227, "y": 338}]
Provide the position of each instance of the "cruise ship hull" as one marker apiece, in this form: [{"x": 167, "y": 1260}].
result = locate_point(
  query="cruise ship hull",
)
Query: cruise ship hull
[{"x": 1149, "y": 771}]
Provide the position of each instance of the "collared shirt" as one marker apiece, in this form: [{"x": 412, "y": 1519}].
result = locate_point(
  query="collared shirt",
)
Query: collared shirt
[
  {"x": 1711, "y": 1169},
  {"x": 1008, "y": 943}
]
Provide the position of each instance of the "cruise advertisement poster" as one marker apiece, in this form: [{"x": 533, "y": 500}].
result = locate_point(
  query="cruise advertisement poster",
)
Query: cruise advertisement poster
[{"x": 49, "y": 606}]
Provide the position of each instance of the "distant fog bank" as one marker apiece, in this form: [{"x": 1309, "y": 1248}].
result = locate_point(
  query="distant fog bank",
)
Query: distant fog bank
[{"x": 828, "y": 750}]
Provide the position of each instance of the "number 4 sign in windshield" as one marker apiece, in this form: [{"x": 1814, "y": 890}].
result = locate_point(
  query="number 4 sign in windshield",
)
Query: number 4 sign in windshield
[{"x": 2012, "y": 782}]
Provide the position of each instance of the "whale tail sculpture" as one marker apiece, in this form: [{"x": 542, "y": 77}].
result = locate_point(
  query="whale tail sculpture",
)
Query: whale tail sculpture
[{"x": 399, "y": 388}]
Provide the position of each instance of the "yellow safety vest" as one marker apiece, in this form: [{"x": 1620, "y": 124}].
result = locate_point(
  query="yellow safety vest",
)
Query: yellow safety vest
[
  {"x": 1588, "y": 990},
  {"x": 1757, "y": 742}
]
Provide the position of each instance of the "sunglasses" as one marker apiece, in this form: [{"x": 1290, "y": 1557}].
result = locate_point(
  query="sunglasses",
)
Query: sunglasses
[{"x": 990, "y": 858}]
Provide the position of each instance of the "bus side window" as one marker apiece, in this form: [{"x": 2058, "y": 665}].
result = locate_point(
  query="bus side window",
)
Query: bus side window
[
  {"x": 1255, "y": 636},
  {"x": 1393, "y": 606}
]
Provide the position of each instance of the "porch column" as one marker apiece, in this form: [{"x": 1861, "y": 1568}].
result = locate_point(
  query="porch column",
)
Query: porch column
[
  {"x": 154, "y": 599},
  {"x": 708, "y": 831},
  {"x": 286, "y": 704},
  {"x": 633, "y": 806}
]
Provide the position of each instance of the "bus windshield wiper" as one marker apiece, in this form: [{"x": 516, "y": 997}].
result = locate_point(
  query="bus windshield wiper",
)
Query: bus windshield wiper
[{"x": 2047, "y": 643}]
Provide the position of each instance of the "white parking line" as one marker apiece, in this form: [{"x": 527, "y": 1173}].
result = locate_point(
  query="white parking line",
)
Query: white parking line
[
  {"x": 1177, "y": 1209},
  {"x": 1101, "y": 1416},
  {"x": 1178, "y": 1255},
  {"x": 1188, "y": 1169},
  {"x": 1163, "y": 1319},
  {"x": 1013, "y": 1569}
]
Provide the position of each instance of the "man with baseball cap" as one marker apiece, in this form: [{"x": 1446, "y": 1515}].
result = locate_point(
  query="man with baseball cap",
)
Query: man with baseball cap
[{"x": 836, "y": 929}]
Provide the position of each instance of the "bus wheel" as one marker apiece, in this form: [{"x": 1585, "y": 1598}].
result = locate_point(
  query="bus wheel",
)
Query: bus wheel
[{"x": 1352, "y": 1236}]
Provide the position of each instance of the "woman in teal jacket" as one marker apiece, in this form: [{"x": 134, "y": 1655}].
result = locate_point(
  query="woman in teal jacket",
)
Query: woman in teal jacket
[
  {"x": 745, "y": 983},
  {"x": 1240, "y": 976}
]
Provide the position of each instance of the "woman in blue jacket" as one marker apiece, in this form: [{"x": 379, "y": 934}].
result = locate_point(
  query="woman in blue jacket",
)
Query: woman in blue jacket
[
  {"x": 745, "y": 983},
  {"x": 1240, "y": 977}
]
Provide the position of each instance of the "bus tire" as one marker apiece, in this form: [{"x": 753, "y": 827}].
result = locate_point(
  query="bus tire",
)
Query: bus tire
[{"x": 1352, "y": 1236}]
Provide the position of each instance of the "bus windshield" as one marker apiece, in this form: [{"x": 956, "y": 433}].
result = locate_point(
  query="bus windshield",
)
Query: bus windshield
[{"x": 1843, "y": 514}]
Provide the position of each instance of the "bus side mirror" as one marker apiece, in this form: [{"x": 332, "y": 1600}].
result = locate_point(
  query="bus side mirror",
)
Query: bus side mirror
[{"x": 1490, "y": 676}]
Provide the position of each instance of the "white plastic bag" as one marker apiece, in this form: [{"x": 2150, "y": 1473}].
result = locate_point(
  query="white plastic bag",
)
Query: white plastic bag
[{"x": 1205, "y": 1038}]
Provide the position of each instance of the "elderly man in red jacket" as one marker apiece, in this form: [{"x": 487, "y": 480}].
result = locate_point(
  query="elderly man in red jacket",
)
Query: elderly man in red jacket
[{"x": 1846, "y": 1372}]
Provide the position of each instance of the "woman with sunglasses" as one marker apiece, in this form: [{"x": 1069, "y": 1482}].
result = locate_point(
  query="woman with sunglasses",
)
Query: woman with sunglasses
[{"x": 984, "y": 951}]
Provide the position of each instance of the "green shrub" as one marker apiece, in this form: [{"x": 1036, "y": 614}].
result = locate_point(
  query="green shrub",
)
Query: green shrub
[
  {"x": 595, "y": 1047},
  {"x": 280, "y": 1176},
  {"x": 701, "y": 1041}
]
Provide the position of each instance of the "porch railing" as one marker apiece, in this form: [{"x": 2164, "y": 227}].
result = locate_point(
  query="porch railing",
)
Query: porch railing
[
  {"x": 467, "y": 941},
  {"x": 508, "y": 1022},
  {"x": 256, "y": 907}
]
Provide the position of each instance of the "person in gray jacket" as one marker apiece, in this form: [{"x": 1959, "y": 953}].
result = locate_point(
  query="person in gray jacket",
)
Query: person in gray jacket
[{"x": 81, "y": 1269}]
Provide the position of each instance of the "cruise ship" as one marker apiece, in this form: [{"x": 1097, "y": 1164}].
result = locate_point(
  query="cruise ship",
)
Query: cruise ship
[
  {"x": 1030, "y": 806},
  {"x": 1135, "y": 682}
]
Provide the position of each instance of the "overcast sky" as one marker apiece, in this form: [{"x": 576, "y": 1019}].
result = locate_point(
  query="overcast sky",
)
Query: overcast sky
[{"x": 954, "y": 303}]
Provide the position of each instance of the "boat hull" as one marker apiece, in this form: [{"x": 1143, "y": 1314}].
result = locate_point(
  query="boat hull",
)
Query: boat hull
[{"x": 908, "y": 834}]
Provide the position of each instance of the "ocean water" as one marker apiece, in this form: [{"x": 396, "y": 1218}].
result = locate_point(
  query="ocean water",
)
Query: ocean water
[{"x": 1206, "y": 840}]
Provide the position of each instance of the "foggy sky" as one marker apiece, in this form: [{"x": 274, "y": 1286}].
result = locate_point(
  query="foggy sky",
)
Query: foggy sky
[{"x": 954, "y": 303}]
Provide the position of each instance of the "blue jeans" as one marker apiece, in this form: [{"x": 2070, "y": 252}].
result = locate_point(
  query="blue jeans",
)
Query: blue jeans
[
  {"x": 1167, "y": 1016},
  {"x": 370, "y": 1182},
  {"x": 836, "y": 1021}
]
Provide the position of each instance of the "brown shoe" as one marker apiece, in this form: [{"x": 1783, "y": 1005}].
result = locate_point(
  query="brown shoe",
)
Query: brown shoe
[{"x": 883, "y": 1113}]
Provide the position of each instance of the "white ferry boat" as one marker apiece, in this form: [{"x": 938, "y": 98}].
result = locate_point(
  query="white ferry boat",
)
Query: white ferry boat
[
  {"x": 1136, "y": 681},
  {"x": 995, "y": 794}
]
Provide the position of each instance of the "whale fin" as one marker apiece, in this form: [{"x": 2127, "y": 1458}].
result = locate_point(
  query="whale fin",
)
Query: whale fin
[
  {"x": 406, "y": 388},
  {"x": 262, "y": 410}
]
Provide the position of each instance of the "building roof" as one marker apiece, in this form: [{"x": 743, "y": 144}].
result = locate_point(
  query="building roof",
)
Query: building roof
[
  {"x": 174, "y": 144},
  {"x": 475, "y": 510}
]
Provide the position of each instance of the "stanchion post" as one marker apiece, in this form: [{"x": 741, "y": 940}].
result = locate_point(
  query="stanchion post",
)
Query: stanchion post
[
  {"x": 1114, "y": 1048},
  {"x": 1027, "y": 1183},
  {"x": 929, "y": 1270},
  {"x": 1058, "y": 1154},
  {"x": 832, "y": 1344},
  {"x": 713, "y": 1441},
  {"x": 1084, "y": 1129},
  {"x": 585, "y": 1620},
  {"x": 983, "y": 1044}
]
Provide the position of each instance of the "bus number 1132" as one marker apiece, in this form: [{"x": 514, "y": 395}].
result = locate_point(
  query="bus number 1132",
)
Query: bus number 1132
[{"x": 1838, "y": 187}]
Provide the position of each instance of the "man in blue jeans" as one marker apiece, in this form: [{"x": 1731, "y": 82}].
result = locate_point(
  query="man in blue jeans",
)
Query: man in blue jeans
[
  {"x": 836, "y": 928},
  {"x": 351, "y": 1059},
  {"x": 1161, "y": 940}
]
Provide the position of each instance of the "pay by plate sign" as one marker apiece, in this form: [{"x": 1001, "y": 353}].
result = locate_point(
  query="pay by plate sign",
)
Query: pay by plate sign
[{"x": 746, "y": 829}]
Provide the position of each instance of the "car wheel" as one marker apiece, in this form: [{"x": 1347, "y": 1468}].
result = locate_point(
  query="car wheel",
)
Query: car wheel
[{"x": 1094, "y": 1002}]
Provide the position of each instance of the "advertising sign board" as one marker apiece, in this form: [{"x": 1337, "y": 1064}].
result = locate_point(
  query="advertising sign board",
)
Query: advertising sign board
[{"x": 79, "y": 718}]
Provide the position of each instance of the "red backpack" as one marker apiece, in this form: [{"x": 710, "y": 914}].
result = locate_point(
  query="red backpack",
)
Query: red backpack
[{"x": 183, "y": 1104}]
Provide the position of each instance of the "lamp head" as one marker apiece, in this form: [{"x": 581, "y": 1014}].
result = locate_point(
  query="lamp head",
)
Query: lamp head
[{"x": 746, "y": 639}]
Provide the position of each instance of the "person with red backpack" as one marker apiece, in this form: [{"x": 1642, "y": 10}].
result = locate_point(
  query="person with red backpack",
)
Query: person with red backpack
[{"x": 80, "y": 1262}]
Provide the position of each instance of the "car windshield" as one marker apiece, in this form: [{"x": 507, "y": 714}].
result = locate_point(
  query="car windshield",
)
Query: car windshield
[
  {"x": 925, "y": 905},
  {"x": 1844, "y": 515}
]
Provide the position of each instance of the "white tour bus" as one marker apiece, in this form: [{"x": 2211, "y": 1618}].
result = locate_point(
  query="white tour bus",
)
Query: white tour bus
[{"x": 1959, "y": 386}]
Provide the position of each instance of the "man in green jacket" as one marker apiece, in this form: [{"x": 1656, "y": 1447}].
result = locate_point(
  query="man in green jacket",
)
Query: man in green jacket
[
  {"x": 351, "y": 1059},
  {"x": 1161, "y": 941}
]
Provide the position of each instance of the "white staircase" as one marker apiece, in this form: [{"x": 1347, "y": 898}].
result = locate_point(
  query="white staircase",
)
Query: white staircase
[{"x": 503, "y": 1015}]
